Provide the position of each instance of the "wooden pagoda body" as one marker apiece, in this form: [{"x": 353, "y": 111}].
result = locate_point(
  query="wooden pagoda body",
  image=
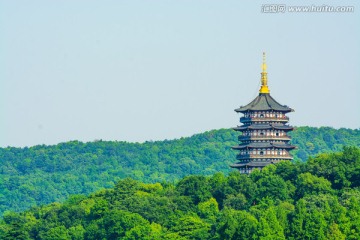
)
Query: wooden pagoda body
[{"x": 264, "y": 139}]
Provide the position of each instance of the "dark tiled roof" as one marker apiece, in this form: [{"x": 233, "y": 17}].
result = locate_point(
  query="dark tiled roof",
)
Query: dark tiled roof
[
  {"x": 264, "y": 102},
  {"x": 263, "y": 145},
  {"x": 279, "y": 145},
  {"x": 250, "y": 164},
  {"x": 264, "y": 126}
]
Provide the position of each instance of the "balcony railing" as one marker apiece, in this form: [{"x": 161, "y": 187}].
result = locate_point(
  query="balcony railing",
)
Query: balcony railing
[
  {"x": 264, "y": 119},
  {"x": 259, "y": 156},
  {"x": 264, "y": 137}
]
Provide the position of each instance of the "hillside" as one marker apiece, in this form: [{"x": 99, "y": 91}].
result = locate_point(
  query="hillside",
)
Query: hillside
[
  {"x": 44, "y": 174},
  {"x": 318, "y": 199}
]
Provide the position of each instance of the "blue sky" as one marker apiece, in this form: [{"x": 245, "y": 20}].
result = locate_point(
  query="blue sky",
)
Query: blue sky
[{"x": 142, "y": 70}]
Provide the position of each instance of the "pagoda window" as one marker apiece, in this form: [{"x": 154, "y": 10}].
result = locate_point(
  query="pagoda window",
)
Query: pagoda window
[
  {"x": 277, "y": 134},
  {"x": 261, "y": 153},
  {"x": 278, "y": 152},
  {"x": 261, "y": 115}
]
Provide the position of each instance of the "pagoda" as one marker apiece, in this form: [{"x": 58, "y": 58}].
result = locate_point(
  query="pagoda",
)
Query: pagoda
[{"x": 264, "y": 139}]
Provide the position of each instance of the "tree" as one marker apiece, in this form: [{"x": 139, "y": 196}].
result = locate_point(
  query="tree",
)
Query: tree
[
  {"x": 192, "y": 227},
  {"x": 195, "y": 187},
  {"x": 233, "y": 224},
  {"x": 236, "y": 202},
  {"x": 240, "y": 183},
  {"x": 307, "y": 222},
  {"x": 43, "y": 174},
  {"x": 16, "y": 227},
  {"x": 334, "y": 233},
  {"x": 56, "y": 233},
  {"x": 283, "y": 211},
  {"x": 288, "y": 170},
  {"x": 261, "y": 205},
  {"x": 209, "y": 209},
  {"x": 308, "y": 184},
  {"x": 76, "y": 232},
  {"x": 351, "y": 201},
  {"x": 117, "y": 223},
  {"x": 219, "y": 187},
  {"x": 273, "y": 187}
]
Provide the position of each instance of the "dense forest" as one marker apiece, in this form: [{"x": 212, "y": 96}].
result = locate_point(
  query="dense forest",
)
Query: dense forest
[
  {"x": 317, "y": 199},
  {"x": 43, "y": 174}
]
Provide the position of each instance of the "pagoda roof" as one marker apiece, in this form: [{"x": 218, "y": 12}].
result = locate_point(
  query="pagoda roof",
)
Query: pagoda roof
[
  {"x": 264, "y": 145},
  {"x": 250, "y": 164},
  {"x": 263, "y": 127},
  {"x": 264, "y": 102}
]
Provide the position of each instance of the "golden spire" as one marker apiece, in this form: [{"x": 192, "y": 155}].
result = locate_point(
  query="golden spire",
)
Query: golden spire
[{"x": 264, "y": 87}]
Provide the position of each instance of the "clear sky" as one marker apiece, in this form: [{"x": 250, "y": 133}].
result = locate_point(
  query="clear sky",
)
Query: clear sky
[{"x": 138, "y": 70}]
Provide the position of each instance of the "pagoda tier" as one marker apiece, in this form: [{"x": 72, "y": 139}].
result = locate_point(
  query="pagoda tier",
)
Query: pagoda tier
[
  {"x": 263, "y": 127},
  {"x": 264, "y": 138},
  {"x": 256, "y": 145}
]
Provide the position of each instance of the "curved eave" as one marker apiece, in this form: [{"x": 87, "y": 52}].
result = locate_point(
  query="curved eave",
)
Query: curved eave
[
  {"x": 286, "y": 147},
  {"x": 239, "y": 110},
  {"x": 250, "y": 164},
  {"x": 263, "y": 127},
  {"x": 274, "y": 158},
  {"x": 270, "y": 145},
  {"x": 264, "y": 102}
]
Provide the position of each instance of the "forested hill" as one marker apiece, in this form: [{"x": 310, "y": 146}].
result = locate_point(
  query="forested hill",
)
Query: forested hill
[
  {"x": 44, "y": 174},
  {"x": 319, "y": 200}
]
